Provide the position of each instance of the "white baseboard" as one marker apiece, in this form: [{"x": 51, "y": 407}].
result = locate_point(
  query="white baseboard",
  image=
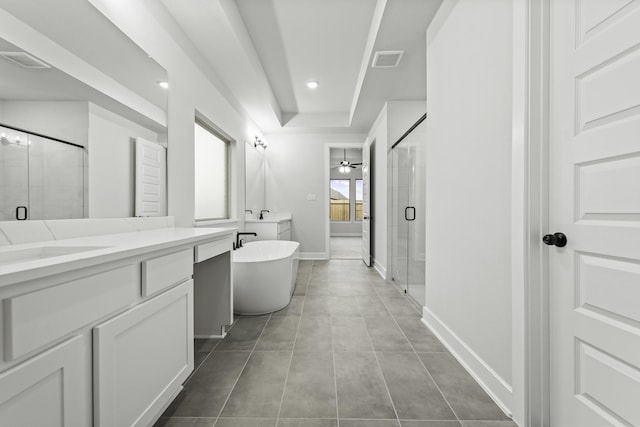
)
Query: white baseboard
[
  {"x": 382, "y": 271},
  {"x": 346, "y": 234},
  {"x": 210, "y": 336},
  {"x": 314, "y": 255},
  {"x": 495, "y": 386}
]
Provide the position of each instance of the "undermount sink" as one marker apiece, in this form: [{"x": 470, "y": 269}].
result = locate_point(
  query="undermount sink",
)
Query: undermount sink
[{"x": 41, "y": 252}]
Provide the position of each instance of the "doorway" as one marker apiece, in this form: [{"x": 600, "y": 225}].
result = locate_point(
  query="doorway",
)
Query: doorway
[{"x": 345, "y": 203}]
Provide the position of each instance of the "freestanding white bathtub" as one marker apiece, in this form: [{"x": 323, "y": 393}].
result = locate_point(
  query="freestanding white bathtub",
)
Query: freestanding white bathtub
[{"x": 264, "y": 275}]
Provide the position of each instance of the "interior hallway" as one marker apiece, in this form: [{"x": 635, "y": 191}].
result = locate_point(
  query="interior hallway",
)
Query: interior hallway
[
  {"x": 345, "y": 247},
  {"x": 349, "y": 351}
]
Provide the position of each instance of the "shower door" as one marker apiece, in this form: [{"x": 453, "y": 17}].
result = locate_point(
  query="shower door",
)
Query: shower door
[
  {"x": 408, "y": 208},
  {"x": 40, "y": 178},
  {"x": 14, "y": 174}
]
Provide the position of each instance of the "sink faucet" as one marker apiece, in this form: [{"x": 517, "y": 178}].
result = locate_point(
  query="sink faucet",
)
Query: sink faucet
[
  {"x": 248, "y": 211},
  {"x": 261, "y": 212},
  {"x": 238, "y": 242}
]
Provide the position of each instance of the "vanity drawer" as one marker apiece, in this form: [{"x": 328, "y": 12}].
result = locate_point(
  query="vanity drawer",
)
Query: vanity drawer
[
  {"x": 35, "y": 319},
  {"x": 165, "y": 271},
  {"x": 212, "y": 249}
]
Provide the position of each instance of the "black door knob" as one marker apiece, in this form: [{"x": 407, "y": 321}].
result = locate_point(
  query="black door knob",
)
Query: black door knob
[{"x": 557, "y": 239}]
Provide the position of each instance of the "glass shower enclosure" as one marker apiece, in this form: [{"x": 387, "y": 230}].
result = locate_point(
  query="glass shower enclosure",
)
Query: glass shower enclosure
[
  {"x": 40, "y": 177},
  {"x": 408, "y": 176}
]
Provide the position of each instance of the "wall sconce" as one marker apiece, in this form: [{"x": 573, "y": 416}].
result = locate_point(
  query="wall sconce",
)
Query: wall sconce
[{"x": 259, "y": 143}]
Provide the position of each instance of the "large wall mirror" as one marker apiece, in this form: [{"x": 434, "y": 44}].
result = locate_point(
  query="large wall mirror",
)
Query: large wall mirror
[
  {"x": 255, "y": 177},
  {"x": 67, "y": 147}
]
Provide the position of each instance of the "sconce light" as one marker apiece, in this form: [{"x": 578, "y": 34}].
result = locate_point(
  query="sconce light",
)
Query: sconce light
[{"x": 259, "y": 143}]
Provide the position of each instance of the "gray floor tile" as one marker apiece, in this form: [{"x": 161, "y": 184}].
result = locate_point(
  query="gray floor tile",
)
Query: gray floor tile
[
  {"x": 467, "y": 398},
  {"x": 279, "y": 334},
  {"x": 386, "y": 335},
  {"x": 316, "y": 306},
  {"x": 301, "y": 289},
  {"x": 404, "y": 423},
  {"x": 386, "y": 290},
  {"x": 306, "y": 422},
  {"x": 372, "y": 306},
  {"x": 350, "y": 334},
  {"x": 207, "y": 390},
  {"x": 246, "y": 422},
  {"x": 414, "y": 394},
  {"x": 205, "y": 344},
  {"x": 185, "y": 422},
  {"x": 400, "y": 306},
  {"x": 244, "y": 334},
  {"x": 198, "y": 358},
  {"x": 489, "y": 424},
  {"x": 344, "y": 306},
  {"x": 259, "y": 389},
  {"x": 361, "y": 388},
  {"x": 351, "y": 288},
  {"x": 293, "y": 309},
  {"x": 310, "y": 391},
  {"x": 318, "y": 288},
  {"x": 314, "y": 334},
  {"x": 369, "y": 423},
  {"x": 419, "y": 335}
]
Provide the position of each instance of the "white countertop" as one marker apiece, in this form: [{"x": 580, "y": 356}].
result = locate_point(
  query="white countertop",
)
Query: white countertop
[{"x": 112, "y": 247}]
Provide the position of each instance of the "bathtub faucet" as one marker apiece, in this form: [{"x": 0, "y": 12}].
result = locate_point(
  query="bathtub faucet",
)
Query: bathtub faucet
[
  {"x": 238, "y": 243},
  {"x": 261, "y": 212}
]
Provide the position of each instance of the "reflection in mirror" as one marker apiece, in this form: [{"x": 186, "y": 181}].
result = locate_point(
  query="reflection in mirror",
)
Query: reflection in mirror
[
  {"x": 255, "y": 178},
  {"x": 68, "y": 150}
]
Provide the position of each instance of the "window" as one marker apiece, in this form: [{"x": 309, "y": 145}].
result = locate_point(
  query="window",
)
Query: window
[
  {"x": 339, "y": 206},
  {"x": 211, "y": 171},
  {"x": 358, "y": 200}
]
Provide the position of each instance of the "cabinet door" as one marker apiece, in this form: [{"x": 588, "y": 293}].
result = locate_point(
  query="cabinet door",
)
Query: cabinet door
[
  {"x": 142, "y": 357},
  {"x": 47, "y": 390}
]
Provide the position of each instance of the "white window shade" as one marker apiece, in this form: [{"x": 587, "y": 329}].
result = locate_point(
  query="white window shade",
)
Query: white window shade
[{"x": 211, "y": 175}]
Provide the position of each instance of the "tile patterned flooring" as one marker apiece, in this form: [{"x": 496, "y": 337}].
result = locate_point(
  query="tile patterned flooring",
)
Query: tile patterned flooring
[
  {"x": 345, "y": 247},
  {"x": 349, "y": 351}
]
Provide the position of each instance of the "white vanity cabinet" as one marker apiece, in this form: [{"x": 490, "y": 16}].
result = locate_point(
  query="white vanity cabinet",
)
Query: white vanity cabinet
[
  {"x": 107, "y": 341},
  {"x": 48, "y": 389},
  {"x": 142, "y": 357},
  {"x": 269, "y": 229}
]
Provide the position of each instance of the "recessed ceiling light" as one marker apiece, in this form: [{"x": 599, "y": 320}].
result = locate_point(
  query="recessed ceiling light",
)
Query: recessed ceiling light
[
  {"x": 163, "y": 84},
  {"x": 312, "y": 84}
]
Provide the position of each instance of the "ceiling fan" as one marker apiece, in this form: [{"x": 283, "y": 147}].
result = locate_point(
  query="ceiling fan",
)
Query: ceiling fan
[{"x": 345, "y": 166}]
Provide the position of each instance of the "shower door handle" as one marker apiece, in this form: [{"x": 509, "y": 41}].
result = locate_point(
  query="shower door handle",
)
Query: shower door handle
[
  {"x": 413, "y": 213},
  {"x": 22, "y": 217}
]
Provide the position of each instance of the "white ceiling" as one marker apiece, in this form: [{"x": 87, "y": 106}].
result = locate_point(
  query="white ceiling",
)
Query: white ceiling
[{"x": 266, "y": 50}]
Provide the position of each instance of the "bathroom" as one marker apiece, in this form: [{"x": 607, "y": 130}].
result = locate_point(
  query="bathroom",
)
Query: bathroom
[{"x": 150, "y": 148}]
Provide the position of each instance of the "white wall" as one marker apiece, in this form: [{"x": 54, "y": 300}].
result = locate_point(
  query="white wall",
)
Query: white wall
[
  {"x": 468, "y": 279},
  {"x": 296, "y": 169},
  {"x": 111, "y": 171},
  {"x": 378, "y": 134}
]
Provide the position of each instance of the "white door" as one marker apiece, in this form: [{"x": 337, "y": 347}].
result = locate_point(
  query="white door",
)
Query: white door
[
  {"x": 595, "y": 201},
  {"x": 151, "y": 181},
  {"x": 366, "y": 206}
]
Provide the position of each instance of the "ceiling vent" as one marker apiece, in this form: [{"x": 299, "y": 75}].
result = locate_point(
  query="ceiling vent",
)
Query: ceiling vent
[
  {"x": 387, "y": 58},
  {"x": 24, "y": 60}
]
